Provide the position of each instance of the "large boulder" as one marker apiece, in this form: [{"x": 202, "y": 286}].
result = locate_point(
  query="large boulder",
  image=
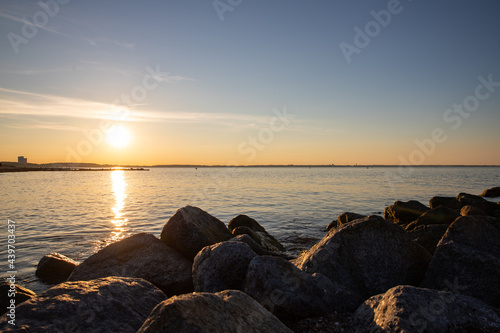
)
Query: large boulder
[
  {"x": 243, "y": 224},
  {"x": 404, "y": 212},
  {"x": 492, "y": 192},
  {"x": 223, "y": 312},
  {"x": 411, "y": 309},
  {"x": 190, "y": 229},
  {"x": 253, "y": 244},
  {"x": 10, "y": 292},
  {"x": 469, "y": 253},
  {"x": 438, "y": 215},
  {"x": 55, "y": 268},
  {"x": 478, "y": 202},
  {"x": 367, "y": 256},
  {"x": 428, "y": 235},
  {"x": 221, "y": 266},
  {"x": 113, "y": 304},
  {"x": 141, "y": 256},
  {"x": 470, "y": 210},
  {"x": 288, "y": 292}
]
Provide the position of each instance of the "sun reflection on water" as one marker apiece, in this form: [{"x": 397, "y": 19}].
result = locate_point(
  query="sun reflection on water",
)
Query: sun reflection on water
[{"x": 119, "y": 185}]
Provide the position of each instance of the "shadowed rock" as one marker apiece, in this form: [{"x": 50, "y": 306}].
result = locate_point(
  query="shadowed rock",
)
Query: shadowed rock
[
  {"x": 404, "y": 212},
  {"x": 190, "y": 229},
  {"x": 289, "y": 292},
  {"x": 244, "y": 225},
  {"x": 411, "y": 309},
  {"x": 450, "y": 202},
  {"x": 438, "y": 215},
  {"x": 55, "y": 268},
  {"x": 21, "y": 294},
  {"x": 223, "y": 312},
  {"x": 367, "y": 256},
  {"x": 492, "y": 192},
  {"x": 343, "y": 219},
  {"x": 470, "y": 254},
  {"x": 221, "y": 266},
  {"x": 113, "y": 304},
  {"x": 478, "y": 202},
  {"x": 253, "y": 244},
  {"x": 141, "y": 256},
  {"x": 470, "y": 210},
  {"x": 428, "y": 235}
]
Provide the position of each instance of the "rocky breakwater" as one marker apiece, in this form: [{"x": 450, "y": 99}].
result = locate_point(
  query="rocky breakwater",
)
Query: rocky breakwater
[{"x": 420, "y": 269}]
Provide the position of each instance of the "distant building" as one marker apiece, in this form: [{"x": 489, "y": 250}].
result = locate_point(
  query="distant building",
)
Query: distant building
[{"x": 22, "y": 160}]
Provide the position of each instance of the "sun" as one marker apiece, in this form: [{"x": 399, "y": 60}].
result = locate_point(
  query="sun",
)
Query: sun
[{"x": 118, "y": 136}]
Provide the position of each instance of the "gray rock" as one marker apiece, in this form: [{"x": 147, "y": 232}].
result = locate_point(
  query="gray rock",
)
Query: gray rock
[
  {"x": 113, "y": 304},
  {"x": 190, "y": 229},
  {"x": 223, "y": 312},
  {"x": 367, "y": 256},
  {"x": 428, "y": 235},
  {"x": 492, "y": 192},
  {"x": 221, "y": 266},
  {"x": 244, "y": 225},
  {"x": 404, "y": 212},
  {"x": 55, "y": 268},
  {"x": 21, "y": 294},
  {"x": 411, "y": 309},
  {"x": 438, "y": 215},
  {"x": 470, "y": 254},
  {"x": 141, "y": 256},
  {"x": 289, "y": 292},
  {"x": 253, "y": 244}
]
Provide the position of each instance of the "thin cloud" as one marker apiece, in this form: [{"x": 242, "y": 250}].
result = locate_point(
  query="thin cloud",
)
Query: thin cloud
[
  {"x": 16, "y": 19},
  {"x": 104, "y": 40}
]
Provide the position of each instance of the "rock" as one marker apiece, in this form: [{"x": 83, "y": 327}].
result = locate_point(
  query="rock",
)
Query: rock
[
  {"x": 428, "y": 235},
  {"x": 55, "y": 268},
  {"x": 492, "y": 192},
  {"x": 367, "y": 256},
  {"x": 470, "y": 210},
  {"x": 21, "y": 294},
  {"x": 486, "y": 206},
  {"x": 190, "y": 229},
  {"x": 469, "y": 253},
  {"x": 332, "y": 225},
  {"x": 223, "y": 312},
  {"x": 450, "y": 202},
  {"x": 113, "y": 304},
  {"x": 250, "y": 242},
  {"x": 244, "y": 225},
  {"x": 288, "y": 292},
  {"x": 221, "y": 266},
  {"x": 438, "y": 215},
  {"x": 349, "y": 217},
  {"x": 141, "y": 256},
  {"x": 404, "y": 212},
  {"x": 412, "y": 309}
]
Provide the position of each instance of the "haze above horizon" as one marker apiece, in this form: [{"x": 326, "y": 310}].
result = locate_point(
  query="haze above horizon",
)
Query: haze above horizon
[{"x": 250, "y": 82}]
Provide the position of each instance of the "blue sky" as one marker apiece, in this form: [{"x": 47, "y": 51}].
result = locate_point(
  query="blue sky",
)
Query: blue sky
[{"x": 219, "y": 81}]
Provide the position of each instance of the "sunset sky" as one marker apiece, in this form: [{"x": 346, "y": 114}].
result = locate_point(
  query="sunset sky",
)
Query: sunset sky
[{"x": 250, "y": 82}]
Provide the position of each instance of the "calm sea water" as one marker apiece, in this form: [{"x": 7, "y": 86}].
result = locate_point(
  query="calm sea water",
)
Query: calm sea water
[{"x": 77, "y": 213}]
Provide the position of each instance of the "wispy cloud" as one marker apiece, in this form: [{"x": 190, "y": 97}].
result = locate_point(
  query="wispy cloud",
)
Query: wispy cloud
[
  {"x": 19, "y": 20},
  {"x": 104, "y": 40}
]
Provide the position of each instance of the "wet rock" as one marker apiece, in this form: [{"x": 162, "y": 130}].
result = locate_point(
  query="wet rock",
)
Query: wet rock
[
  {"x": 404, "y": 212},
  {"x": 113, "y": 304},
  {"x": 450, "y": 202},
  {"x": 438, "y": 215},
  {"x": 225, "y": 312},
  {"x": 492, "y": 192},
  {"x": 367, "y": 256},
  {"x": 55, "y": 268},
  {"x": 428, "y": 235},
  {"x": 6, "y": 295},
  {"x": 141, "y": 256},
  {"x": 411, "y": 309},
  {"x": 288, "y": 292},
  {"x": 470, "y": 210},
  {"x": 244, "y": 225},
  {"x": 469, "y": 254},
  {"x": 221, "y": 266},
  {"x": 190, "y": 229}
]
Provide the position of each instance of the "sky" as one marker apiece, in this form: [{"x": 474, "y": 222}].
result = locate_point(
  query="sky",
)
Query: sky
[{"x": 240, "y": 82}]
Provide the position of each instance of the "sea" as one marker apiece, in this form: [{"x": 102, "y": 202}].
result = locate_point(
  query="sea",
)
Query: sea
[{"x": 76, "y": 213}]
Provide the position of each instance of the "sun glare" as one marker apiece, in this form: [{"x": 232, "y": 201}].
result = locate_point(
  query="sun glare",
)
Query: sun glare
[{"x": 118, "y": 136}]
